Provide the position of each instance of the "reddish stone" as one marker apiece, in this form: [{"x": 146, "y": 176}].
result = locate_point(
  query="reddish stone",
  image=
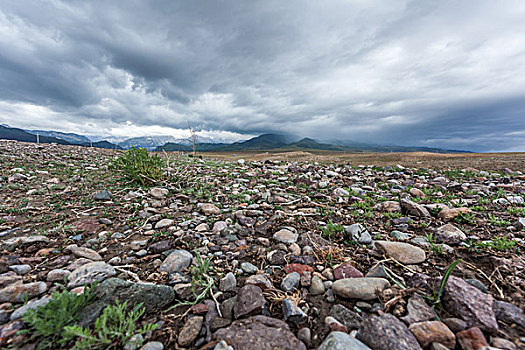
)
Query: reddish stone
[
  {"x": 87, "y": 225},
  {"x": 299, "y": 268},
  {"x": 472, "y": 339},
  {"x": 346, "y": 270},
  {"x": 199, "y": 309}
]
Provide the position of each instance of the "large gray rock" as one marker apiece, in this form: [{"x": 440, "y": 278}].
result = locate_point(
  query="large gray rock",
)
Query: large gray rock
[
  {"x": 285, "y": 236},
  {"x": 177, "y": 261},
  {"x": 387, "y": 332},
  {"x": 17, "y": 293},
  {"x": 359, "y": 288},
  {"x": 341, "y": 341},
  {"x": 89, "y": 273},
  {"x": 292, "y": 312},
  {"x": 413, "y": 208},
  {"x": 153, "y": 297},
  {"x": 33, "y": 304},
  {"x": 259, "y": 333},
  {"x": 470, "y": 304},
  {"x": 449, "y": 234},
  {"x": 249, "y": 300},
  {"x": 402, "y": 252}
]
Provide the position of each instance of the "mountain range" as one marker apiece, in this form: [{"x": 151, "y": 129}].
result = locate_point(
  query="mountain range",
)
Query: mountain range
[{"x": 171, "y": 144}]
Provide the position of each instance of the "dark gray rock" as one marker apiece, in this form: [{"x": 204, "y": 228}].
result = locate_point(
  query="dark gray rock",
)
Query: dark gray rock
[
  {"x": 470, "y": 304},
  {"x": 341, "y": 341},
  {"x": 259, "y": 333},
  {"x": 508, "y": 313},
  {"x": 291, "y": 281},
  {"x": 249, "y": 300},
  {"x": 418, "y": 310},
  {"x": 347, "y": 317},
  {"x": 103, "y": 195},
  {"x": 387, "y": 332},
  {"x": 152, "y": 296},
  {"x": 292, "y": 313}
]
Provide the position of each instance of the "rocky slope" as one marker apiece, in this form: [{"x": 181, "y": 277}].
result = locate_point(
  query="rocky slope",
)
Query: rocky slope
[{"x": 266, "y": 255}]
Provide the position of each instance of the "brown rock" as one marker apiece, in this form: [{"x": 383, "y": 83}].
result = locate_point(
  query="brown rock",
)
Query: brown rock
[
  {"x": 299, "y": 268},
  {"x": 346, "y": 270},
  {"x": 87, "y": 225},
  {"x": 472, "y": 339},
  {"x": 259, "y": 333},
  {"x": 210, "y": 209},
  {"x": 403, "y": 252},
  {"x": 249, "y": 300},
  {"x": 17, "y": 292},
  {"x": 449, "y": 214},
  {"x": 470, "y": 304},
  {"x": 190, "y": 331},
  {"x": 429, "y": 332},
  {"x": 386, "y": 332}
]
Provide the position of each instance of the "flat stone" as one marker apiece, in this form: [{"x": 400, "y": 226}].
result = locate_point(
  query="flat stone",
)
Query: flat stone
[
  {"x": 387, "y": 332},
  {"x": 249, "y": 300},
  {"x": 161, "y": 246},
  {"x": 32, "y": 304},
  {"x": 501, "y": 343},
  {"x": 163, "y": 223},
  {"x": 413, "y": 208},
  {"x": 341, "y": 341},
  {"x": 449, "y": 234},
  {"x": 259, "y": 333},
  {"x": 57, "y": 275},
  {"x": 158, "y": 192},
  {"x": 14, "y": 242},
  {"x": 177, "y": 261},
  {"x": 89, "y": 273},
  {"x": 299, "y": 268},
  {"x": 285, "y": 236},
  {"x": 83, "y": 252},
  {"x": 418, "y": 310},
  {"x": 429, "y": 332},
  {"x": 290, "y": 282},
  {"x": 10, "y": 278},
  {"x": 17, "y": 293},
  {"x": 210, "y": 209},
  {"x": 103, "y": 195},
  {"x": 346, "y": 270},
  {"x": 449, "y": 214},
  {"x": 470, "y": 304},
  {"x": 249, "y": 268},
  {"x": 260, "y": 280},
  {"x": 402, "y": 252},
  {"x": 190, "y": 331},
  {"x": 153, "y": 297},
  {"x": 153, "y": 345},
  {"x": 359, "y": 288},
  {"x": 20, "y": 269}
]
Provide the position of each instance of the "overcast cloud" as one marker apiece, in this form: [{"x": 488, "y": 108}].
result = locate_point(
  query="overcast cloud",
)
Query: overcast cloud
[{"x": 445, "y": 74}]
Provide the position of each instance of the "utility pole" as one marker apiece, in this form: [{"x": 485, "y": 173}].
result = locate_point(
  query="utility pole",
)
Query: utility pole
[{"x": 37, "y": 138}]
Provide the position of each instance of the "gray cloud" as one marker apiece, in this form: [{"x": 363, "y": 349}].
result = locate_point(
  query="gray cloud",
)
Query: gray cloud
[{"x": 438, "y": 74}]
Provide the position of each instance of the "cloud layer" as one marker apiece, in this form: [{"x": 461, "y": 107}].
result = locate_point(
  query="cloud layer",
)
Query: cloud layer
[{"x": 440, "y": 74}]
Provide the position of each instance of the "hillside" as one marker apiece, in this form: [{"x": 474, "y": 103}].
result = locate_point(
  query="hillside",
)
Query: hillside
[
  {"x": 8, "y": 133},
  {"x": 69, "y": 137}
]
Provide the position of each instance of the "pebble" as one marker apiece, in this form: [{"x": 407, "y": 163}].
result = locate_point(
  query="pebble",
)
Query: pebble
[
  {"x": 177, "y": 261},
  {"x": 20, "y": 269},
  {"x": 429, "y": 332},
  {"x": 18, "y": 292},
  {"x": 471, "y": 339},
  {"x": 359, "y": 288},
  {"x": 190, "y": 331},
  {"x": 89, "y": 273},
  {"x": 249, "y": 268},
  {"x": 341, "y": 341},
  {"x": 228, "y": 283},
  {"x": 290, "y": 282},
  {"x": 285, "y": 236},
  {"x": 403, "y": 252},
  {"x": 316, "y": 286}
]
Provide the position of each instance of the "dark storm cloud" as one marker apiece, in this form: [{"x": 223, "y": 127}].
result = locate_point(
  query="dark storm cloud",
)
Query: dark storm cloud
[{"x": 399, "y": 72}]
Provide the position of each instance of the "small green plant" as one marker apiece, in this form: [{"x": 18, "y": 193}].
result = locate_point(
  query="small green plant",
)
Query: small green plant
[
  {"x": 494, "y": 220},
  {"x": 498, "y": 243},
  {"x": 435, "y": 298},
  {"x": 112, "y": 330},
  {"x": 516, "y": 211},
  {"x": 332, "y": 229},
  {"x": 139, "y": 167},
  {"x": 465, "y": 218},
  {"x": 47, "y": 323},
  {"x": 436, "y": 248}
]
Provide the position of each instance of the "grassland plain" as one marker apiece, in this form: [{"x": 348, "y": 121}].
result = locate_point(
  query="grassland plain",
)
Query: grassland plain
[{"x": 289, "y": 250}]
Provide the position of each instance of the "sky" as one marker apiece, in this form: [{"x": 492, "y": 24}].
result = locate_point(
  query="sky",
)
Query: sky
[{"x": 448, "y": 74}]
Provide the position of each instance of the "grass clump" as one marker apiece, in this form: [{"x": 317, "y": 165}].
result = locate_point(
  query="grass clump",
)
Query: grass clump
[
  {"x": 332, "y": 229},
  {"x": 436, "y": 298},
  {"x": 498, "y": 243},
  {"x": 48, "y": 322},
  {"x": 113, "y": 329},
  {"x": 139, "y": 167}
]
